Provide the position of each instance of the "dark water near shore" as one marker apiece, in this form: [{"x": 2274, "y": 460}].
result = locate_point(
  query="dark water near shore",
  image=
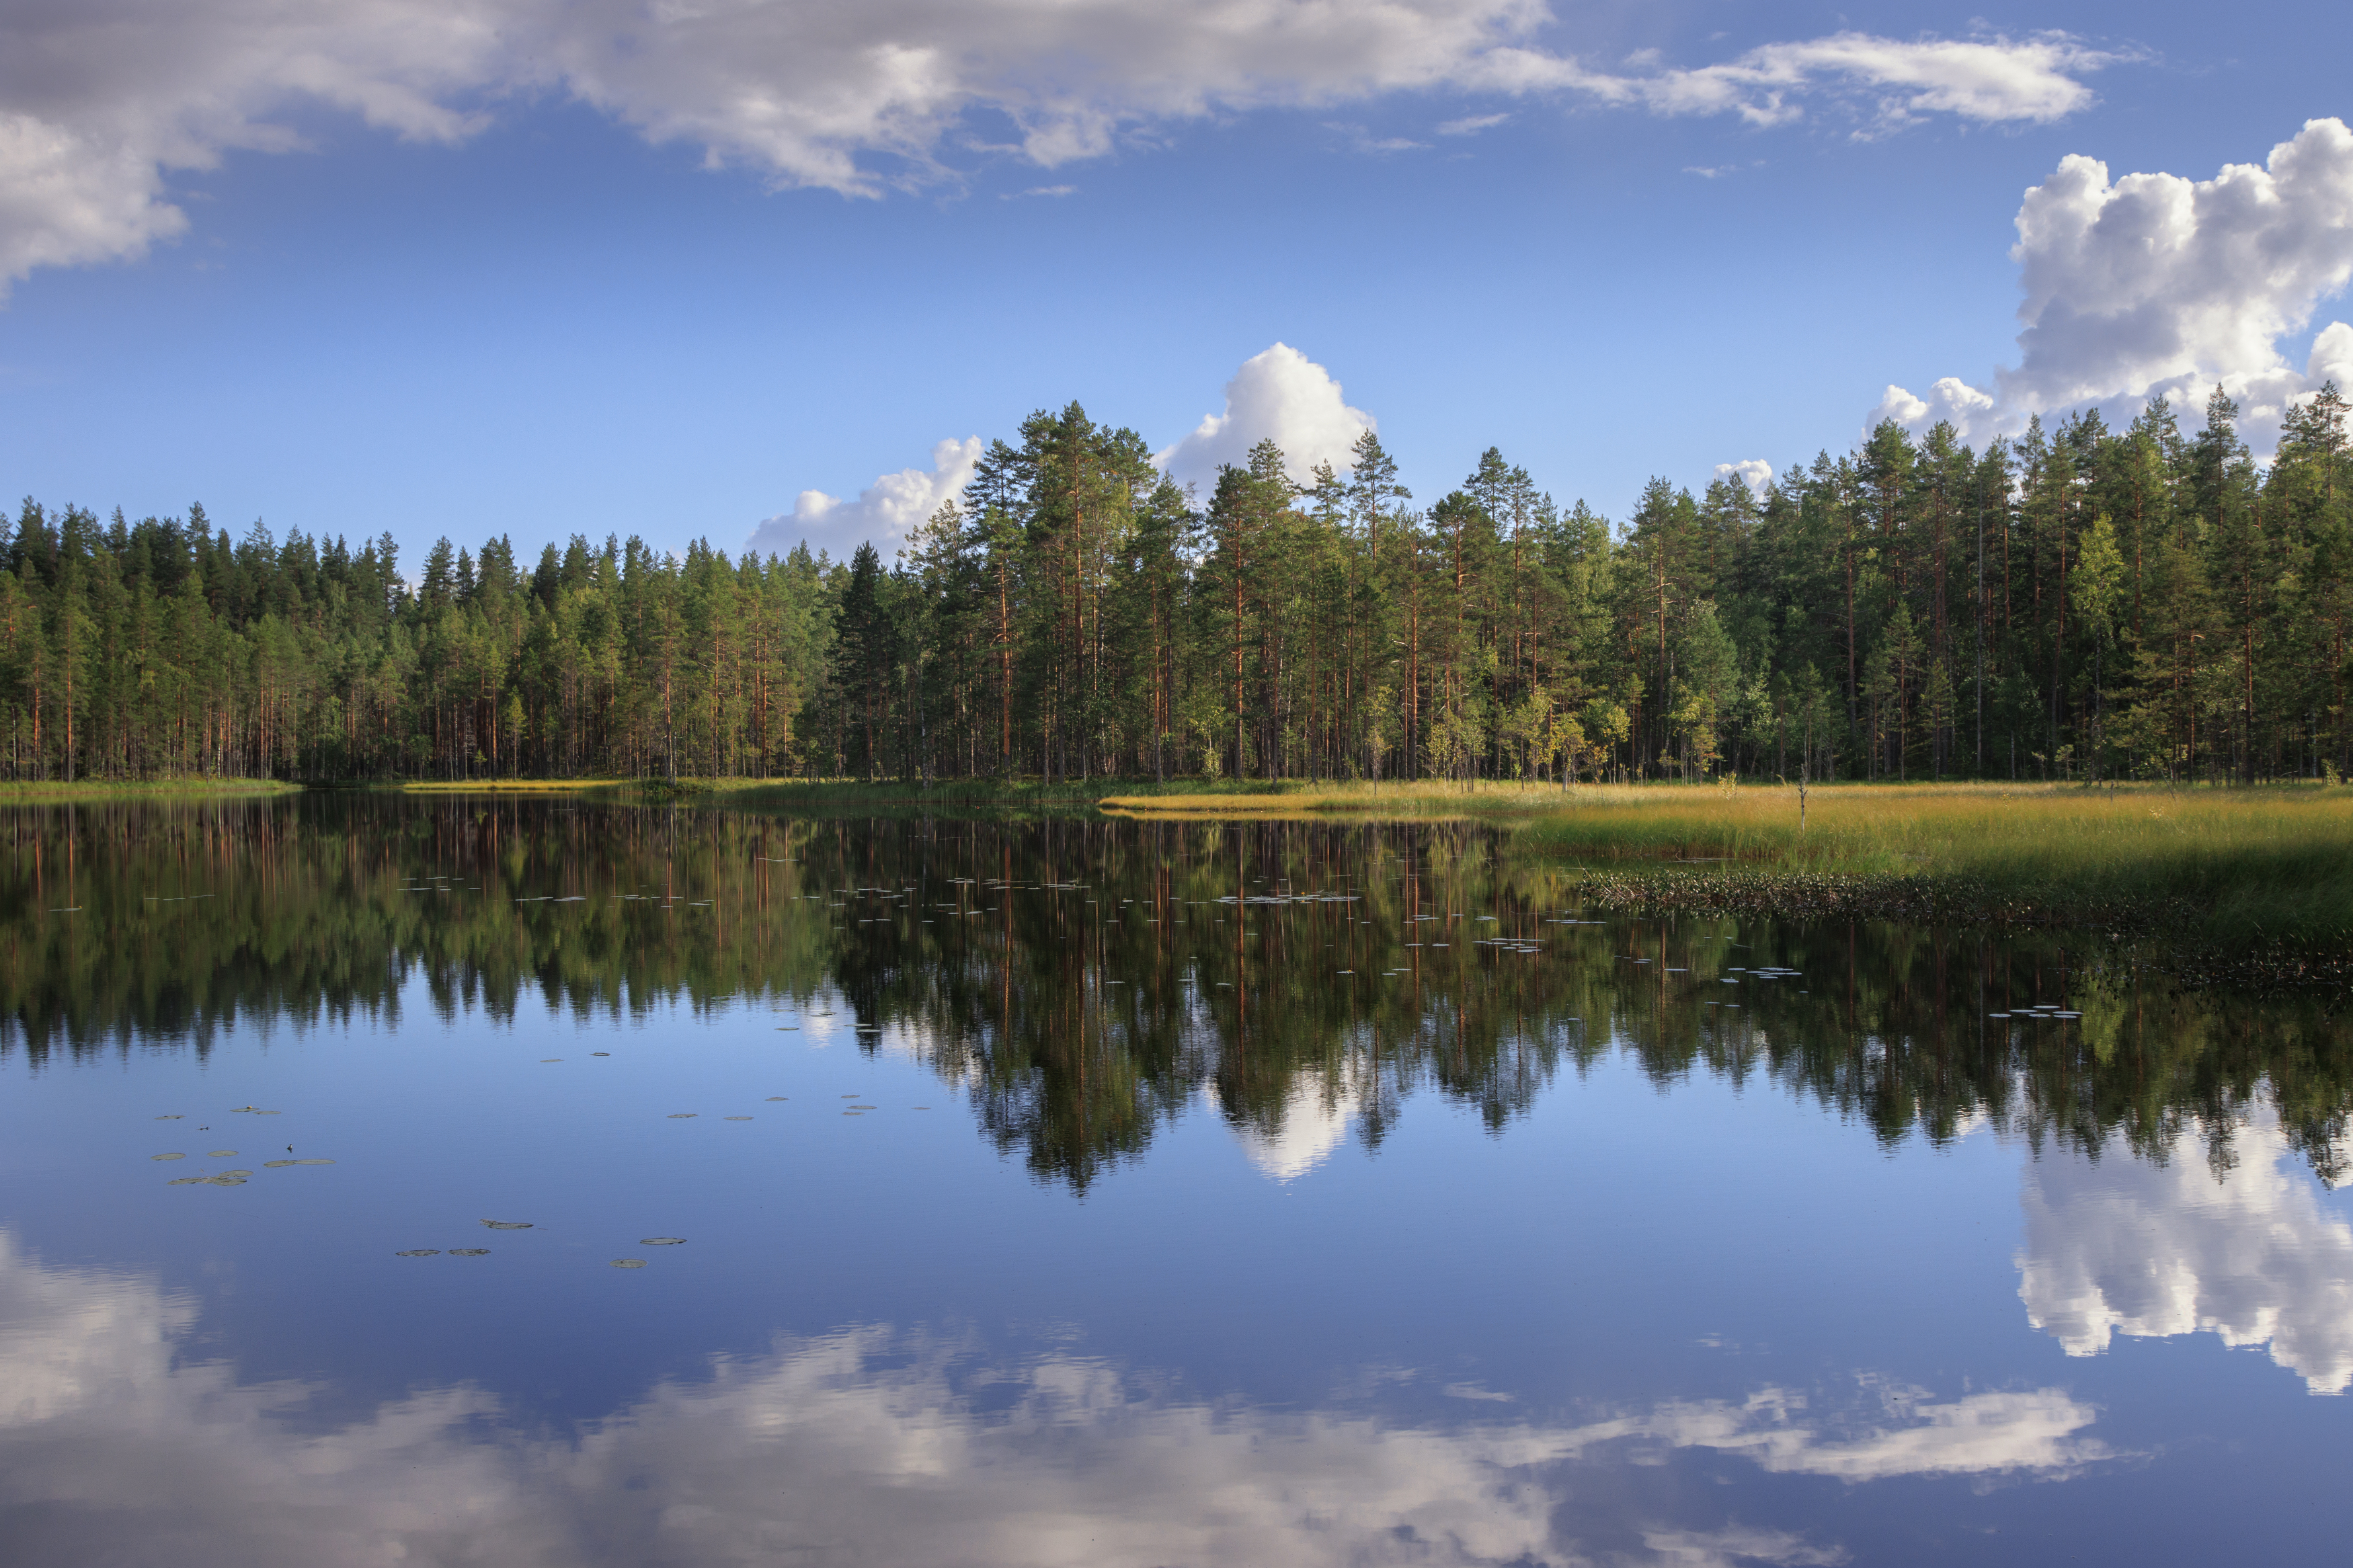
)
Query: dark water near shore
[{"x": 1107, "y": 1192}]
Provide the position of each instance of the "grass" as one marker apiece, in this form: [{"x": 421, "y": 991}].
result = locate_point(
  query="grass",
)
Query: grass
[
  {"x": 57, "y": 792},
  {"x": 2236, "y": 866},
  {"x": 2232, "y": 869}
]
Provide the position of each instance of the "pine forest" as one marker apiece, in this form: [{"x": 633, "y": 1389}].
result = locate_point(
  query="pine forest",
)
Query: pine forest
[{"x": 2081, "y": 602}]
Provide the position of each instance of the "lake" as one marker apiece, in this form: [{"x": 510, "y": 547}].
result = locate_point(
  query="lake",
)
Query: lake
[{"x": 517, "y": 1181}]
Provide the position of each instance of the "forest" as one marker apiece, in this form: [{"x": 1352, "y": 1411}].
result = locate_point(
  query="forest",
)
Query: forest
[{"x": 2081, "y": 602}]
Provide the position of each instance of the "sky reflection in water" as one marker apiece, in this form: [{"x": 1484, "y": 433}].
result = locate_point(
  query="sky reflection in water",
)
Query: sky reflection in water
[{"x": 1517, "y": 1256}]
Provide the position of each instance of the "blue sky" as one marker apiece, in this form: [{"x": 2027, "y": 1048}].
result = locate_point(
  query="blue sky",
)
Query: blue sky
[{"x": 511, "y": 266}]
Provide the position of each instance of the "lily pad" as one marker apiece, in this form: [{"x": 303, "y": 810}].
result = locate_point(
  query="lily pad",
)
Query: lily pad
[
  {"x": 507, "y": 1224},
  {"x": 684, "y": 1115},
  {"x": 281, "y": 1164},
  {"x": 220, "y": 1153},
  {"x": 662, "y": 1241},
  {"x": 628, "y": 1263},
  {"x": 470, "y": 1252},
  {"x": 167, "y": 1156},
  {"x": 419, "y": 1252},
  {"x": 171, "y": 1118},
  {"x": 601, "y": 1053},
  {"x": 186, "y": 1182},
  {"x": 777, "y": 1097},
  {"x": 544, "y": 1060},
  {"x": 734, "y": 1118}
]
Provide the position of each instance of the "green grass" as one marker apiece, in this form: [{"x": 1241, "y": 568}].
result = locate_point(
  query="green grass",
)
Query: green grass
[
  {"x": 2237, "y": 867},
  {"x": 2233, "y": 868},
  {"x": 57, "y": 792}
]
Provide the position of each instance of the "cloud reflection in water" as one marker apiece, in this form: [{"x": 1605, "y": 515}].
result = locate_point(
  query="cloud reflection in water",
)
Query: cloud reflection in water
[
  {"x": 874, "y": 1444},
  {"x": 2251, "y": 1253}
]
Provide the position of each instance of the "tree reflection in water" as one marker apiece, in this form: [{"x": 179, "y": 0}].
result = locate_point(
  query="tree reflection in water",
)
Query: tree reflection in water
[{"x": 1084, "y": 979}]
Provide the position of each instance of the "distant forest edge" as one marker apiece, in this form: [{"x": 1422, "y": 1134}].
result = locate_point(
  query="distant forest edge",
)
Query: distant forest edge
[{"x": 2078, "y": 603}]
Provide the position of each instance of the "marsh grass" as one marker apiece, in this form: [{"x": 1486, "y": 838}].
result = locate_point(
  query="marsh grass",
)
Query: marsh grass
[{"x": 2240, "y": 866}]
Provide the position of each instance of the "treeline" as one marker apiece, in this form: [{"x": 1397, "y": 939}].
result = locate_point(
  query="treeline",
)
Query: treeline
[{"x": 2079, "y": 602}]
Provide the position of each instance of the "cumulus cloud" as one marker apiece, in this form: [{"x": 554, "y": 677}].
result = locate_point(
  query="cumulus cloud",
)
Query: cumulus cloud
[
  {"x": 915, "y": 1450},
  {"x": 101, "y": 99},
  {"x": 2151, "y": 1251},
  {"x": 884, "y": 514},
  {"x": 1754, "y": 472},
  {"x": 2155, "y": 284},
  {"x": 1280, "y": 394}
]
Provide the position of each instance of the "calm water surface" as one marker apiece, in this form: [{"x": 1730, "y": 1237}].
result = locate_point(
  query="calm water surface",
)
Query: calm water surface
[{"x": 1063, "y": 1192}]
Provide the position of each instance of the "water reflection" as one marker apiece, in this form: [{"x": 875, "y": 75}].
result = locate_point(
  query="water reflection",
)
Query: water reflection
[
  {"x": 909, "y": 1448},
  {"x": 2238, "y": 1244},
  {"x": 1087, "y": 981}
]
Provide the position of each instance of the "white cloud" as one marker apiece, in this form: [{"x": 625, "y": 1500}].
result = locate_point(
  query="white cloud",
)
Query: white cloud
[
  {"x": 885, "y": 511},
  {"x": 1280, "y": 394},
  {"x": 113, "y": 1437},
  {"x": 2155, "y": 284},
  {"x": 1886, "y": 83},
  {"x": 1471, "y": 124},
  {"x": 100, "y": 99},
  {"x": 1755, "y": 472},
  {"x": 2126, "y": 1247}
]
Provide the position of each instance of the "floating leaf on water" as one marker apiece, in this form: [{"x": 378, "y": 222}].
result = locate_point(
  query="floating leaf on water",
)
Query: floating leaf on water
[
  {"x": 734, "y": 1118},
  {"x": 787, "y": 1028},
  {"x": 167, "y": 1156},
  {"x": 777, "y": 1097},
  {"x": 171, "y": 1118},
  {"x": 601, "y": 1053},
  {"x": 628, "y": 1263},
  {"x": 226, "y": 1179},
  {"x": 186, "y": 1182},
  {"x": 220, "y": 1153},
  {"x": 419, "y": 1252},
  {"x": 545, "y": 1059},
  {"x": 507, "y": 1224},
  {"x": 470, "y": 1252},
  {"x": 919, "y": 1107},
  {"x": 865, "y": 1107},
  {"x": 662, "y": 1241},
  {"x": 278, "y": 1165},
  {"x": 684, "y": 1115}
]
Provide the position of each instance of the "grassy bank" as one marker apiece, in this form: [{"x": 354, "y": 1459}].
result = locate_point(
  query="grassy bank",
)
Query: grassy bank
[
  {"x": 53, "y": 791},
  {"x": 2232, "y": 869},
  {"x": 787, "y": 794},
  {"x": 2266, "y": 866}
]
